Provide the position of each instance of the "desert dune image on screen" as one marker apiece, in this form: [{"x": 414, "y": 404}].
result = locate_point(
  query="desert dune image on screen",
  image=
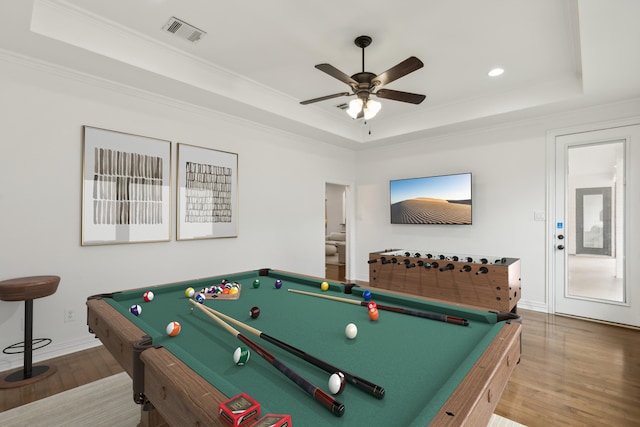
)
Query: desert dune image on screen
[{"x": 442, "y": 199}]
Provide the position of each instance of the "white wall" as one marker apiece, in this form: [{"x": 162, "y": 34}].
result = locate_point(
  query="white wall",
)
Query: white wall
[
  {"x": 281, "y": 197},
  {"x": 509, "y": 185}
]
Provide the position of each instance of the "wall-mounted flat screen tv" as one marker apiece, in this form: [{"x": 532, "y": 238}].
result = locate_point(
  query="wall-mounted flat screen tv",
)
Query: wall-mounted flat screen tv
[{"x": 443, "y": 199}]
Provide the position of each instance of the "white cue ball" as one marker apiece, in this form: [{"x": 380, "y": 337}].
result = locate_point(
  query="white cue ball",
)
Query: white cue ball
[
  {"x": 351, "y": 331},
  {"x": 336, "y": 383}
]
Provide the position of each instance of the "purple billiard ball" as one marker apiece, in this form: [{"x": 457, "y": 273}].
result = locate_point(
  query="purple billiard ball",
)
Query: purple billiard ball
[
  {"x": 278, "y": 284},
  {"x": 254, "y": 312},
  {"x": 135, "y": 310}
]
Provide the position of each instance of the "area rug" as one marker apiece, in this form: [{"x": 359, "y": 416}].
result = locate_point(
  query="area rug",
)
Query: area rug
[{"x": 104, "y": 403}]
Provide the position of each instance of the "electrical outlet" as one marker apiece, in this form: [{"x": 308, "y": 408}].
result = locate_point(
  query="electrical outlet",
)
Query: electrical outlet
[{"x": 69, "y": 315}]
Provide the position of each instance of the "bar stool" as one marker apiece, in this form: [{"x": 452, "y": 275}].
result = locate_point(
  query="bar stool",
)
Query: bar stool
[{"x": 27, "y": 289}]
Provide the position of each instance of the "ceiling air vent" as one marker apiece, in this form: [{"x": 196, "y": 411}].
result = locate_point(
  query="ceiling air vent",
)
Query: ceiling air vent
[{"x": 183, "y": 30}]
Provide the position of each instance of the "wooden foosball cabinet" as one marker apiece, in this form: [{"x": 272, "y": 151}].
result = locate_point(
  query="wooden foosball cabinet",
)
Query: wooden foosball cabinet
[{"x": 481, "y": 281}]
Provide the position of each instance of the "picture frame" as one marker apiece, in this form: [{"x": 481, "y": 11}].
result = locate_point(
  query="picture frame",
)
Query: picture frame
[
  {"x": 126, "y": 194},
  {"x": 207, "y": 193}
]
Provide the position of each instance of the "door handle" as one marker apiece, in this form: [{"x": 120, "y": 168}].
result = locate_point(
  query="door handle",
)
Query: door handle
[{"x": 560, "y": 247}]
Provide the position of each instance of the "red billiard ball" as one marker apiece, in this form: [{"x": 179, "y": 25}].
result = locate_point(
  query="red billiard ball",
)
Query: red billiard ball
[
  {"x": 372, "y": 305},
  {"x": 254, "y": 312}
]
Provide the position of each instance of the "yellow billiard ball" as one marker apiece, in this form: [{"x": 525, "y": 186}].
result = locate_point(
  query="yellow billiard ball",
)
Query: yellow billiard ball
[{"x": 324, "y": 286}]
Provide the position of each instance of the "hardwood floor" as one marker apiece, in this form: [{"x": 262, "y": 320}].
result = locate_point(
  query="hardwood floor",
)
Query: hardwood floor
[
  {"x": 572, "y": 373},
  {"x": 74, "y": 370}
]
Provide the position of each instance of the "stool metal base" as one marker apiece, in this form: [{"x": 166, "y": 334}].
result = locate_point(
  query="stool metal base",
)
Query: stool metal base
[{"x": 17, "y": 378}]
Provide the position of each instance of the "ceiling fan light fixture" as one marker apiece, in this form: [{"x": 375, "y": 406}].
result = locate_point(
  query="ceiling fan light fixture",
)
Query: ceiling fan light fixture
[
  {"x": 371, "y": 109},
  {"x": 355, "y": 107}
]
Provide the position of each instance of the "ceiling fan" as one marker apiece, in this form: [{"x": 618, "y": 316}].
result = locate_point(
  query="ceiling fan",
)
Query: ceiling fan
[{"x": 365, "y": 84}]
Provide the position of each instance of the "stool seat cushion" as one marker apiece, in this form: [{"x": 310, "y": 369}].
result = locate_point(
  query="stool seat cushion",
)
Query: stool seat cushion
[{"x": 28, "y": 288}]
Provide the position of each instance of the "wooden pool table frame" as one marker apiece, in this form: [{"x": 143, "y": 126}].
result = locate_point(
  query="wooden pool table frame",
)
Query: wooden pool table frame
[{"x": 172, "y": 394}]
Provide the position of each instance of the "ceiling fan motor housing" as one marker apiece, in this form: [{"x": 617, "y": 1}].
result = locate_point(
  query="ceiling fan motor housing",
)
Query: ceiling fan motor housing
[{"x": 364, "y": 87}]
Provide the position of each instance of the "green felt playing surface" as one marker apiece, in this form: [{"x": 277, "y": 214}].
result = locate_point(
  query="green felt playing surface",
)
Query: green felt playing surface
[{"x": 418, "y": 361}]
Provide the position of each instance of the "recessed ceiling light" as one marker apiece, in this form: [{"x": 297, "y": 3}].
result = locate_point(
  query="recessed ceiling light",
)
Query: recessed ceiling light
[{"x": 496, "y": 72}]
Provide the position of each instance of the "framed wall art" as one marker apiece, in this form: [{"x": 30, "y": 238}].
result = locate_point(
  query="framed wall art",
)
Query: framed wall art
[
  {"x": 126, "y": 193},
  {"x": 207, "y": 193}
]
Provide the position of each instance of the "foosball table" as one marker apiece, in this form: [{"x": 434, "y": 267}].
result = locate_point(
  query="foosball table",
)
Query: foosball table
[{"x": 483, "y": 281}]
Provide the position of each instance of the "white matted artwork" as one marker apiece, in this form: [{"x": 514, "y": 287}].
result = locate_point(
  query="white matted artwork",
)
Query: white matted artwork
[
  {"x": 126, "y": 194},
  {"x": 207, "y": 193}
]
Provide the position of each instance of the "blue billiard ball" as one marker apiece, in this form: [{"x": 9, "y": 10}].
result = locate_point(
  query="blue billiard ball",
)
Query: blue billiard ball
[
  {"x": 366, "y": 295},
  {"x": 135, "y": 310}
]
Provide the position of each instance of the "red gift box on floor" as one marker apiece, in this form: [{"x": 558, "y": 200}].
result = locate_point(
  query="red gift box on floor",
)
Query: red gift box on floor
[
  {"x": 240, "y": 410},
  {"x": 273, "y": 420}
]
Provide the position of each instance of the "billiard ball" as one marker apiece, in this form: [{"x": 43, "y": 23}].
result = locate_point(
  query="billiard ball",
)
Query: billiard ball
[
  {"x": 256, "y": 283},
  {"x": 189, "y": 292},
  {"x": 201, "y": 298},
  {"x": 173, "y": 329},
  {"x": 366, "y": 295},
  {"x": 254, "y": 312},
  {"x": 373, "y": 314},
  {"x": 147, "y": 296},
  {"x": 351, "y": 331},
  {"x": 233, "y": 291},
  {"x": 135, "y": 310},
  {"x": 372, "y": 305},
  {"x": 336, "y": 383},
  {"x": 324, "y": 286},
  {"x": 278, "y": 284},
  {"x": 241, "y": 355}
]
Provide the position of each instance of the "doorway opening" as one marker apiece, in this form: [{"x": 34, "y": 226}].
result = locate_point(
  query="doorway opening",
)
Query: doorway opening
[{"x": 336, "y": 232}]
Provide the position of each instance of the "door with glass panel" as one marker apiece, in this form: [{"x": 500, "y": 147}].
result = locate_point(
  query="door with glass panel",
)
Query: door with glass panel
[{"x": 591, "y": 224}]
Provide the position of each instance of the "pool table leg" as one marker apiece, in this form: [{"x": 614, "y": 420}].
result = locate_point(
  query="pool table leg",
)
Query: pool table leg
[{"x": 149, "y": 416}]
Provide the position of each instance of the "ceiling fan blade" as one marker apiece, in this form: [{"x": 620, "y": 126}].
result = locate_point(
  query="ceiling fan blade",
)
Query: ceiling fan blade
[
  {"x": 407, "y": 66},
  {"x": 323, "y": 98},
  {"x": 335, "y": 73},
  {"x": 396, "y": 95}
]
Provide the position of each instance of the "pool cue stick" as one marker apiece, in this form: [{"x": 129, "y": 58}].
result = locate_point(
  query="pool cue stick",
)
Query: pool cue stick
[
  {"x": 335, "y": 407},
  {"x": 424, "y": 314},
  {"x": 361, "y": 383}
]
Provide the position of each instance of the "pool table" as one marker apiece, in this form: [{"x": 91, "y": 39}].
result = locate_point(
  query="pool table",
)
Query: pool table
[{"x": 433, "y": 372}]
